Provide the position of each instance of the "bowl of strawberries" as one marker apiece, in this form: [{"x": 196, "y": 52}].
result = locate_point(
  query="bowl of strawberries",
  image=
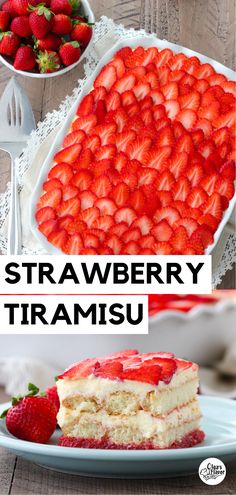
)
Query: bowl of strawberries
[{"x": 44, "y": 38}]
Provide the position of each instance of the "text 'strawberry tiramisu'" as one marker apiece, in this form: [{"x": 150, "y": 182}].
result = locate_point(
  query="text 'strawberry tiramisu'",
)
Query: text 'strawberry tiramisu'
[
  {"x": 130, "y": 401},
  {"x": 148, "y": 164}
]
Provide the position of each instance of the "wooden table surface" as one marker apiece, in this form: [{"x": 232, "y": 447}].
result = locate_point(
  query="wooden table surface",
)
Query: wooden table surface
[{"x": 207, "y": 26}]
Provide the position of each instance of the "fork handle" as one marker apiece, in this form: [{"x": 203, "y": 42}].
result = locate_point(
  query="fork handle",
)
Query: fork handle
[{"x": 14, "y": 229}]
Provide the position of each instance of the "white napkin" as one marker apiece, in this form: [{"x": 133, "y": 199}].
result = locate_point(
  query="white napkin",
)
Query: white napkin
[{"x": 17, "y": 372}]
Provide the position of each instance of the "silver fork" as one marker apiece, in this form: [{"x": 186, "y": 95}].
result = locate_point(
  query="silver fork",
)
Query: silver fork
[{"x": 16, "y": 123}]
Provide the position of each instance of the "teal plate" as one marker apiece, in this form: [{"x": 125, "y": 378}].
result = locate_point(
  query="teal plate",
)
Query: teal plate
[{"x": 219, "y": 424}]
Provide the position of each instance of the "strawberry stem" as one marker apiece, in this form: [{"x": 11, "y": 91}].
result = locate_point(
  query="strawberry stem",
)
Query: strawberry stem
[{"x": 33, "y": 390}]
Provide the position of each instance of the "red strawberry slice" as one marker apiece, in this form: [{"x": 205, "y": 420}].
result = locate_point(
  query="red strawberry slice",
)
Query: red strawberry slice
[
  {"x": 188, "y": 118},
  {"x": 106, "y": 206},
  {"x": 144, "y": 223},
  {"x": 123, "y": 139},
  {"x": 209, "y": 220},
  {"x": 202, "y": 234},
  {"x": 110, "y": 370},
  {"x": 168, "y": 213},
  {"x": 141, "y": 90},
  {"x": 152, "y": 79},
  {"x": 58, "y": 238},
  {"x": 119, "y": 229},
  {"x": 104, "y": 132},
  {"x": 101, "y": 167},
  {"x": 124, "y": 52},
  {"x": 221, "y": 136},
  {"x": 208, "y": 183},
  {"x": 137, "y": 149},
  {"x": 168, "y": 367},
  {"x": 209, "y": 112},
  {"x": 126, "y": 215},
  {"x": 157, "y": 157},
  {"x": 114, "y": 243},
  {"x": 195, "y": 174},
  {"x": 101, "y": 186},
  {"x": 73, "y": 245},
  {"x": 228, "y": 170},
  {"x": 80, "y": 370},
  {"x": 75, "y": 137},
  {"x": 48, "y": 226},
  {"x": 172, "y": 108},
  {"x": 213, "y": 205},
  {"x": 181, "y": 189},
  {"x": 84, "y": 123},
  {"x": 197, "y": 136},
  {"x": 120, "y": 194},
  {"x": 112, "y": 101},
  {"x": 147, "y": 241},
  {"x": 106, "y": 78},
  {"x": 132, "y": 234},
  {"x": 69, "y": 207},
  {"x": 106, "y": 152},
  {"x": 82, "y": 179},
  {"x": 135, "y": 58},
  {"x": 86, "y": 106},
  {"x": 90, "y": 240},
  {"x": 157, "y": 97},
  {"x": 190, "y": 100},
  {"x": 92, "y": 143},
  {"x": 51, "y": 198},
  {"x": 120, "y": 117},
  {"x": 165, "y": 181},
  {"x": 178, "y": 164},
  {"x": 226, "y": 120},
  {"x": 163, "y": 57},
  {"x": 69, "y": 192},
  {"x": 147, "y": 175},
  {"x": 162, "y": 231},
  {"x": 130, "y": 247},
  {"x": 88, "y": 251},
  {"x": 197, "y": 197},
  {"x": 127, "y": 98},
  {"x": 179, "y": 239},
  {"x": 165, "y": 137},
  {"x": 137, "y": 201},
  {"x": 225, "y": 187},
  {"x": 143, "y": 373},
  {"x": 170, "y": 91},
  {"x": 163, "y": 248},
  {"x": 52, "y": 184},
  {"x": 99, "y": 93},
  {"x": 119, "y": 65},
  {"x": 100, "y": 111},
  {"x": 189, "y": 224},
  {"x": 46, "y": 213},
  {"x": 63, "y": 172},
  {"x": 89, "y": 216},
  {"x": 99, "y": 234},
  {"x": 103, "y": 223},
  {"x": 69, "y": 154},
  {"x": 184, "y": 143},
  {"x": 165, "y": 198},
  {"x": 125, "y": 83}
]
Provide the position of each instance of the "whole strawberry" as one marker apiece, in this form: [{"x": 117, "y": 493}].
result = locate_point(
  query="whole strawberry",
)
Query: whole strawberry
[
  {"x": 9, "y": 43},
  {"x": 40, "y": 21},
  {"x": 70, "y": 52},
  {"x": 25, "y": 58},
  {"x": 64, "y": 6},
  {"x": 20, "y": 25},
  {"x": 21, "y": 7},
  {"x": 8, "y": 7},
  {"x": 4, "y": 20},
  {"x": 62, "y": 24},
  {"x": 52, "y": 395},
  {"x": 50, "y": 42},
  {"x": 31, "y": 418},
  {"x": 82, "y": 33},
  {"x": 48, "y": 62}
]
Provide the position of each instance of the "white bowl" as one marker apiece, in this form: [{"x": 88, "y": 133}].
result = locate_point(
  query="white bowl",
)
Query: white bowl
[
  {"x": 201, "y": 336},
  {"x": 87, "y": 11},
  {"x": 146, "y": 42}
]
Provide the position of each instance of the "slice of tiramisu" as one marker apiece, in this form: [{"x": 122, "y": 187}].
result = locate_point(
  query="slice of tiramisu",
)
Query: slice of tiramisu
[{"x": 130, "y": 401}]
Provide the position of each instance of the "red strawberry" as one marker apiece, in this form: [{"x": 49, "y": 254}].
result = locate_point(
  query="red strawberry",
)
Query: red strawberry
[
  {"x": 52, "y": 395},
  {"x": 48, "y": 226},
  {"x": 135, "y": 58},
  {"x": 228, "y": 170},
  {"x": 61, "y": 171},
  {"x": 120, "y": 194},
  {"x": 9, "y": 43},
  {"x": 178, "y": 164},
  {"x": 197, "y": 197},
  {"x": 168, "y": 367},
  {"x": 144, "y": 373},
  {"x": 52, "y": 198},
  {"x": 106, "y": 78},
  {"x": 101, "y": 186},
  {"x": 114, "y": 243},
  {"x": 168, "y": 213},
  {"x": 25, "y": 58},
  {"x": 110, "y": 369},
  {"x": 119, "y": 65},
  {"x": 164, "y": 181},
  {"x": 138, "y": 148},
  {"x": 163, "y": 57},
  {"x": 61, "y": 24},
  {"x": 87, "y": 199},
  {"x": 50, "y": 42},
  {"x": 40, "y": 20},
  {"x": 48, "y": 62},
  {"x": 208, "y": 220},
  {"x": 86, "y": 106},
  {"x": 62, "y": 6},
  {"x": 104, "y": 223},
  {"x": 144, "y": 223},
  {"x": 21, "y": 26},
  {"x": 69, "y": 154},
  {"x": 112, "y": 101},
  {"x": 82, "y": 179},
  {"x": 80, "y": 370},
  {"x": 46, "y": 213},
  {"x": 4, "y": 21},
  {"x": 21, "y": 7},
  {"x": 202, "y": 234},
  {"x": 125, "y": 83},
  {"x": 73, "y": 245},
  {"x": 225, "y": 187},
  {"x": 70, "y": 52},
  {"x": 69, "y": 207},
  {"x": 162, "y": 231},
  {"x": 163, "y": 248},
  {"x": 172, "y": 108},
  {"x": 189, "y": 224},
  {"x": 106, "y": 206},
  {"x": 73, "y": 138},
  {"x": 213, "y": 205},
  {"x": 179, "y": 239},
  {"x": 9, "y": 8},
  {"x": 82, "y": 33},
  {"x": 58, "y": 238},
  {"x": 157, "y": 157},
  {"x": 126, "y": 215},
  {"x": 195, "y": 174},
  {"x": 184, "y": 142},
  {"x": 190, "y": 100},
  {"x": 133, "y": 234},
  {"x": 85, "y": 123},
  {"x": 188, "y": 118},
  {"x": 31, "y": 418},
  {"x": 181, "y": 189},
  {"x": 69, "y": 192},
  {"x": 226, "y": 120},
  {"x": 170, "y": 91}
]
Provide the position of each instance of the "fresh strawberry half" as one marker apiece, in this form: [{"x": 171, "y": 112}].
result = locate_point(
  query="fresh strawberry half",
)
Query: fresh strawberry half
[{"x": 148, "y": 165}]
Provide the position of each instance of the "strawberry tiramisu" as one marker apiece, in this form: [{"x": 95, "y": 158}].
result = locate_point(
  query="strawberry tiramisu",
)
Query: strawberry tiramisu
[
  {"x": 147, "y": 166},
  {"x": 130, "y": 401}
]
